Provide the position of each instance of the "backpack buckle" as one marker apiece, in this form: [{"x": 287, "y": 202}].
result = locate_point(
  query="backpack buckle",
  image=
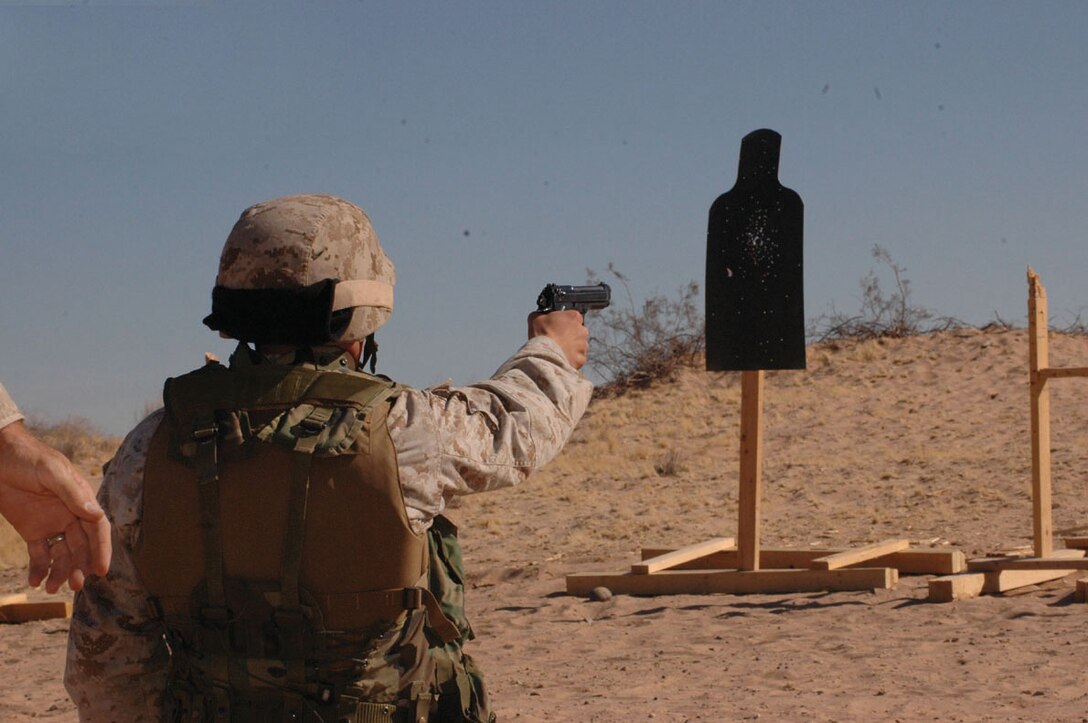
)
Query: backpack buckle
[{"x": 413, "y": 598}]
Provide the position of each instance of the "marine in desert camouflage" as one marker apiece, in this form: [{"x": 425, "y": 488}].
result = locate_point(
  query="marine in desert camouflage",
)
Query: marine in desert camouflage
[{"x": 303, "y": 284}]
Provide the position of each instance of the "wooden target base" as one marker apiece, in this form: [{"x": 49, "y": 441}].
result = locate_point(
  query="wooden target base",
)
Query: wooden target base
[{"x": 713, "y": 567}]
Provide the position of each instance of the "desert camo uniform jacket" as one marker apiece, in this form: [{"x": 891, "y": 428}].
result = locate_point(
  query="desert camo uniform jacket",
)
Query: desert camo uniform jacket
[
  {"x": 450, "y": 441},
  {"x": 9, "y": 413}
]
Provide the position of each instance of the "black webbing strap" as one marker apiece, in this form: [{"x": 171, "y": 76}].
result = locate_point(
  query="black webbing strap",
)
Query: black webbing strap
[
  {"x": 296, "y": 523},
  {"x": 215, "y": 612},
  {"x": 205, "y": 439},
  {"x": 290, "y": 620},
  {"x": 370, "y": 353}
]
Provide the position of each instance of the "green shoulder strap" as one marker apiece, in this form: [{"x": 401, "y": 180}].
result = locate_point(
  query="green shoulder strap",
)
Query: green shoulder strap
[{"x": 215, "y": 387}]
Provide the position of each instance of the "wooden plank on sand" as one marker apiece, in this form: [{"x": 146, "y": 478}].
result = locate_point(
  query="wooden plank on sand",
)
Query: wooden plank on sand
[
  {"x": 13, "y": 599},
  {"x": 924, "y": 562},
  {"x": 912, "y": 562},
  {"x": 729, "y": 559},
  {"x": 1082, "y": 590},
  {"x": 22, "y": 612},
  {"x": 1005, "y": 580},
  {"x": 1058, "y": 560},
  {"x": 1076, "y": 543},
  {"x": 1028, "y": 563},
  {"x": 972, "y": 584},
  {"x": 859, "y": 554},
  {"x": 685, "y": 554},
  {"x": 698, "y": 582},
  {"x": 956, "y": 587}
]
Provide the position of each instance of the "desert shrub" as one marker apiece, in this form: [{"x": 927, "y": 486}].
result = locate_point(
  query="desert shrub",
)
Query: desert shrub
[
  {"x": 670, "y": 464},
  {"x": 76, "y": 438},
  {"x": 633, "y": 345},
  {"x": 72, "y": 437},
  {"x": 883, "y": 313},
  {"x": 1078, "y": 325}
]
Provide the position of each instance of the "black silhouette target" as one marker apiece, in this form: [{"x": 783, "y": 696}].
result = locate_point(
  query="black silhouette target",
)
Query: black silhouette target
[{"x": 755, "y": 312}]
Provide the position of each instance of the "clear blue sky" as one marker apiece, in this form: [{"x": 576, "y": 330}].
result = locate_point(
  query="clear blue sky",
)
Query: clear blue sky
[{"x": 499, "y": 146}]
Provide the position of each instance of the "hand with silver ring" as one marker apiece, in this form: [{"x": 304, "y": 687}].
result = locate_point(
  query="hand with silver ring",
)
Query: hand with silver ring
[{"x": 52, "y": 506}]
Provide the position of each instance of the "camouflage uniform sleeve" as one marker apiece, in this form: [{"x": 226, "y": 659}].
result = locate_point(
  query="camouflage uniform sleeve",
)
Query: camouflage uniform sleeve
[
  {"x": 458, "y": 440},
  {"x": 116, "y": 668},
  {"x": 9, "y": 413}
]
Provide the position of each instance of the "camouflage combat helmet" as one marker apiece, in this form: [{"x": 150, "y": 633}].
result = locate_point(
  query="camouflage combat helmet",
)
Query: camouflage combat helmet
[{"x": 304, "y": 269}]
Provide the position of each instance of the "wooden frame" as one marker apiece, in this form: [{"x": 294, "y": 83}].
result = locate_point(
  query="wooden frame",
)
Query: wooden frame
[
  {"x": 999, "y": 574},
  {"x": 714, "y": 567},
  {"x": 1041, "y": 373},
  {"x": 717, "y": 566},
  {"x": 725, "y": 565}
]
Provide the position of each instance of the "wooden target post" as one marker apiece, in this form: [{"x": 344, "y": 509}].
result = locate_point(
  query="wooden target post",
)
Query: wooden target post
[
  {"x": 1039, "y": 366},
  {"x": 750, "y": 488},
  {"x": 755, "y": 322}
]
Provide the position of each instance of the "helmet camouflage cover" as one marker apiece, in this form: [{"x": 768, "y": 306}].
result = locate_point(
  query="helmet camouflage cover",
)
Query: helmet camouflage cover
[{"x": 302, "y": 269}]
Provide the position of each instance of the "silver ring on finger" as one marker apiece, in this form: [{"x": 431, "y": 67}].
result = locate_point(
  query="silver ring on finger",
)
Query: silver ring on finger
[{"x": 54, "y": 539}]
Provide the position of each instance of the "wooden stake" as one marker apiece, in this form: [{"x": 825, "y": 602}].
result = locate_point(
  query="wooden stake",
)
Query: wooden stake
[
  {"x": 751, "y": 468},
  {"x": 1038, "y": 360}
]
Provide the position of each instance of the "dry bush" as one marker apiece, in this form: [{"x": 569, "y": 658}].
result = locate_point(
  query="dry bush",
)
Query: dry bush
[
  {"x": 1077, "y": 326},
  {"x": 12, "y": 548},
  {"x": 670, "y": 464},
  {"x": 882, "y": 314},
  {"x": 635, "y": 345},
  {"x": 77, "y": 439}
]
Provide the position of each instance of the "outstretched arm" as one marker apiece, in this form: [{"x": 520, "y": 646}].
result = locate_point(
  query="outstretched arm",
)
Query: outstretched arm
[
  {"x": 459, "y": 440},
  {"x": 51, "y": 505}
]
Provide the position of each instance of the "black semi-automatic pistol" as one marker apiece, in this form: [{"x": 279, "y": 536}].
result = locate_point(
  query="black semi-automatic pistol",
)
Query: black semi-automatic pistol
[{"x": 560, "y": 297}]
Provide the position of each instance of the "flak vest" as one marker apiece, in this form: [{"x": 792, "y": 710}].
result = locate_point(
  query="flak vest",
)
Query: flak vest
[{"x": 277, "y": 552}]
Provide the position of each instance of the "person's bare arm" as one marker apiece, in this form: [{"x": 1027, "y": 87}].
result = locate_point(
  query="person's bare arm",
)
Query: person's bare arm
[{"x": 43, "y": 496}]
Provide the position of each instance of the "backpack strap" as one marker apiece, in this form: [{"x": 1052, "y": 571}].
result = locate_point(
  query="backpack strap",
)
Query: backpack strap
[{"x": 205, "y": 443}]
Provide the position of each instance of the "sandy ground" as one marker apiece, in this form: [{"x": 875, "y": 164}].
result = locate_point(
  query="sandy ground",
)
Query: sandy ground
[{"x": 925, "y": 439}]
